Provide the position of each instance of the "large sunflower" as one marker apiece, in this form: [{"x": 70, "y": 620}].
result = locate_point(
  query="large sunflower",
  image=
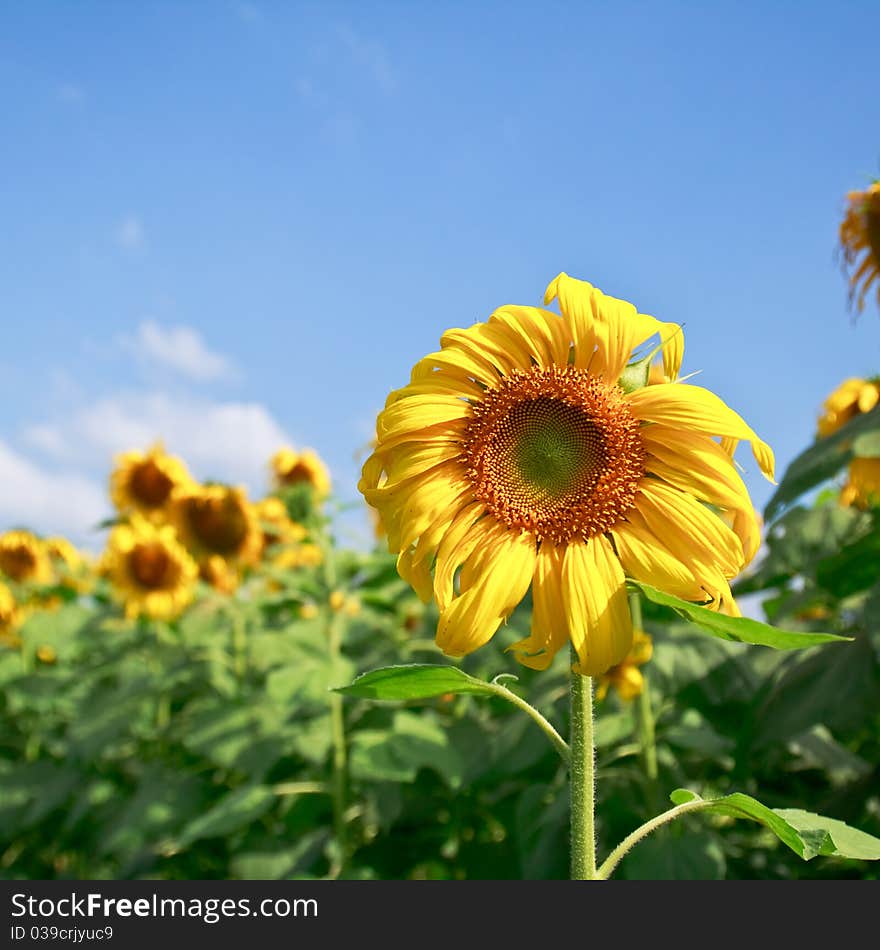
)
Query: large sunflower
[
  {"x": 860, "y": 238},
  {"x": 151, "y": 572},
  {"x": 146, "y": 482},
  {"x": 851, "y": 398},
  {"x": 23, "y": 558},
  {"x": 514, "y": 459},
  {"x": 295, "y": 468},
  {"x": 218, "y": 521}
]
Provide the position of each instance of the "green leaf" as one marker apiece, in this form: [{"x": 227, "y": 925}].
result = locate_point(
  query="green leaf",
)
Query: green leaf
[
  {"x": 414, "y": 681},
  {"x": 822, "y": 460},
  {"x": 806, "y": 834},
  {"x": 235, "y": 810},
  {"x": 741, "y": 629},
  {"x": 852, "y": 569}
]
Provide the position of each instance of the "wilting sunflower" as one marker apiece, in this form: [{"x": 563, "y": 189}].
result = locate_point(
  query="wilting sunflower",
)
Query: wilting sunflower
[
  {"x": 146, "y": 482},
  {"x": 296, "y": 468},
  {"x": 860, "y": 242},
  {"x": 23, "y": 558},
  {"x": 626, "y": 677},
  {"x": 514, "y": 459},
  {"x": 10, "y": 618},
  {"x": 862, "y": 487},
  {"x": 150, "y": 570},
  {"x": 851, "y": 398},
  {"x": 218, "y": 520}
]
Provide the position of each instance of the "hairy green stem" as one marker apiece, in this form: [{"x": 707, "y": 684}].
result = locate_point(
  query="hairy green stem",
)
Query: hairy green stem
[
  {"x": 545, "y": 725},
  {"x": 613, "y": 859},
  {"x": 583, "y": 779}
]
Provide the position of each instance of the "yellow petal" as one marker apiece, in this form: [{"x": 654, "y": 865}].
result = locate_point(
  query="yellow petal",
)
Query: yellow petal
[
  {"x": 595, "y": 602},
  {"x": 575, "y": 304},
  {"x": 549, "y": 623},
  {"x": 696, "y": 409},
  {"x": 473, "y": 617},
  {"x": 464, "y": 534}
]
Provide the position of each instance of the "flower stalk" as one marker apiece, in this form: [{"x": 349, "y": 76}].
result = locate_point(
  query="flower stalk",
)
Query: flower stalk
[{"x": 583, "y": 778}]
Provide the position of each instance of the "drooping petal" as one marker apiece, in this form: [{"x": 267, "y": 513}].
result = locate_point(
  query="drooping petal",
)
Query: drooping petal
[
  {"x": 472, "y": 618},
  {"x": 465, "y": 533},
  {"x": 549, "y": 632},
  {"x": 595, "y": 601},
  {"x": 696, "y": 409}
]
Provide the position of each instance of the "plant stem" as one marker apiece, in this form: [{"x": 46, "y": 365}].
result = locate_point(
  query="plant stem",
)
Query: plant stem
[
  {"x": 545, "y": 725},
  {"x": 583, "y": 779},
  {"x": 613, "y": 859},
  {"x": 337, "y": 715},
  {"x": 644, "y": 712}
]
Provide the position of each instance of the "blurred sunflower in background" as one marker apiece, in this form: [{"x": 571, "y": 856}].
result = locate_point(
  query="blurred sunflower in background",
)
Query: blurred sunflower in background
[
  {"x": 10, "y": 618},
  {"x": 24, "y": 558},
  {"x": 218, "y": 521},
  {"x": 860, "y": 243},
  {"x": 851, "y": 398},
  {"x": 300, "y": 468},
  {"x": 862, "y": 488},
  {"x": 146, "y": 482},
  {"x": 513, "y": 459},
  {"x": 149, "y": 569},
  {"x": 626, "y": 678},
  {"x": 275, "y": 523}
]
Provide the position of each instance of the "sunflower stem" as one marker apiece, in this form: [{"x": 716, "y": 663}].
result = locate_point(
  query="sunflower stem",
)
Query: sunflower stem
[
  {"x": 337, "y": 716},
  {"x": 583, "y": 778},
  {"x": 613, "y": 859},
  {"x": 644, "y": 712}
]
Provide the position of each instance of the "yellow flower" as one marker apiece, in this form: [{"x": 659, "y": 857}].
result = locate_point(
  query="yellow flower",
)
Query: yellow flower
[
  {"x": 852, "y": 397},
  {"x": 292, "y": 468},
  {"x": 23, "y": 558},
  {"x": 220, "y": 574},
  {"x": 626, "y": 677},
  {"x": 276, "y": 524},
  {"x": 47, "y": 654},
  {"x": 73, "y": 569},
  {"x": 150, "y": 570},
  {"x": 513, "y": 459},
  {"x": 860, "y": 238},
  {"x": 218, "y": 520},
  {"x": 298, "y": 555},
  {"x": 339, "y": 602},
  {"x": 862, "y": 486},
  {"x": 308, "y": 611},
  {"x": 10, "y": 618},
  {"x": 146, "y": 482}
]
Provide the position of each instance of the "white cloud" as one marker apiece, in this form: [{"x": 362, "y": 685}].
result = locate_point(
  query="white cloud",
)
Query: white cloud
[
  {"x": 49, "y": 502},
  {"x": 181, "y": 349},
  {"x": 130, "y": 232},
  {"x": 226, "y": 441},
  {"x": 369, "y": 54},
  {"x": 71, "y": 93}
]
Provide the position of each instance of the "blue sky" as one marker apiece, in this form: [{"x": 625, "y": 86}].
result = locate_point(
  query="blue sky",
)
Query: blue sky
[{"x": 237, "y": 224}]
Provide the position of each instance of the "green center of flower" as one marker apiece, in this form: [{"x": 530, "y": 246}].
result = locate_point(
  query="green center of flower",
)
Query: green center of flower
[
  {"x": 555, "y": 451},
  {"x": 553, "y": 446}
]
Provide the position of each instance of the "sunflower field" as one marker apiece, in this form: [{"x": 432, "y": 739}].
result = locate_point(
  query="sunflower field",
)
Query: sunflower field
[{"x": 226, "y": 692}]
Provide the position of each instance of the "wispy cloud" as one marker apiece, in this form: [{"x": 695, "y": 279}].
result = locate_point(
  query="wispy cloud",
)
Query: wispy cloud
[
  {"x": 227, "y": 441},
  {"x": 48, "y": 502},
  {"x": 130, "y": 232},
  {"x": 71, "y": 94},
  {"x": 370, "y": 54},
  {"x": 180, "y": 349}
]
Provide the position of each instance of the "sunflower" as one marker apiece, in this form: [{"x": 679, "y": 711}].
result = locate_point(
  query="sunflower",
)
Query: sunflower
[
  {"x": 626, "y": 677},
  {"x": 298, "y": 555},
  {"x": 220, "y": 574},
  {"x": 10, "y": 618},
  {"x": 514, "y": 455},
  {"x": 275, "y": 523},
  {"x": 146, "y": 482},
  {"x": 852, "y": 397},
  {"x": 151, "y": 572},
  {"x": 860, "y": 237},
  {"x": 862, "y": 488},
  {"x": 295, "y": 468},
  {"x": 72, "y": 568},
  {"x": 218, "y": 520},
  {"x": 23, "y": 558}
]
